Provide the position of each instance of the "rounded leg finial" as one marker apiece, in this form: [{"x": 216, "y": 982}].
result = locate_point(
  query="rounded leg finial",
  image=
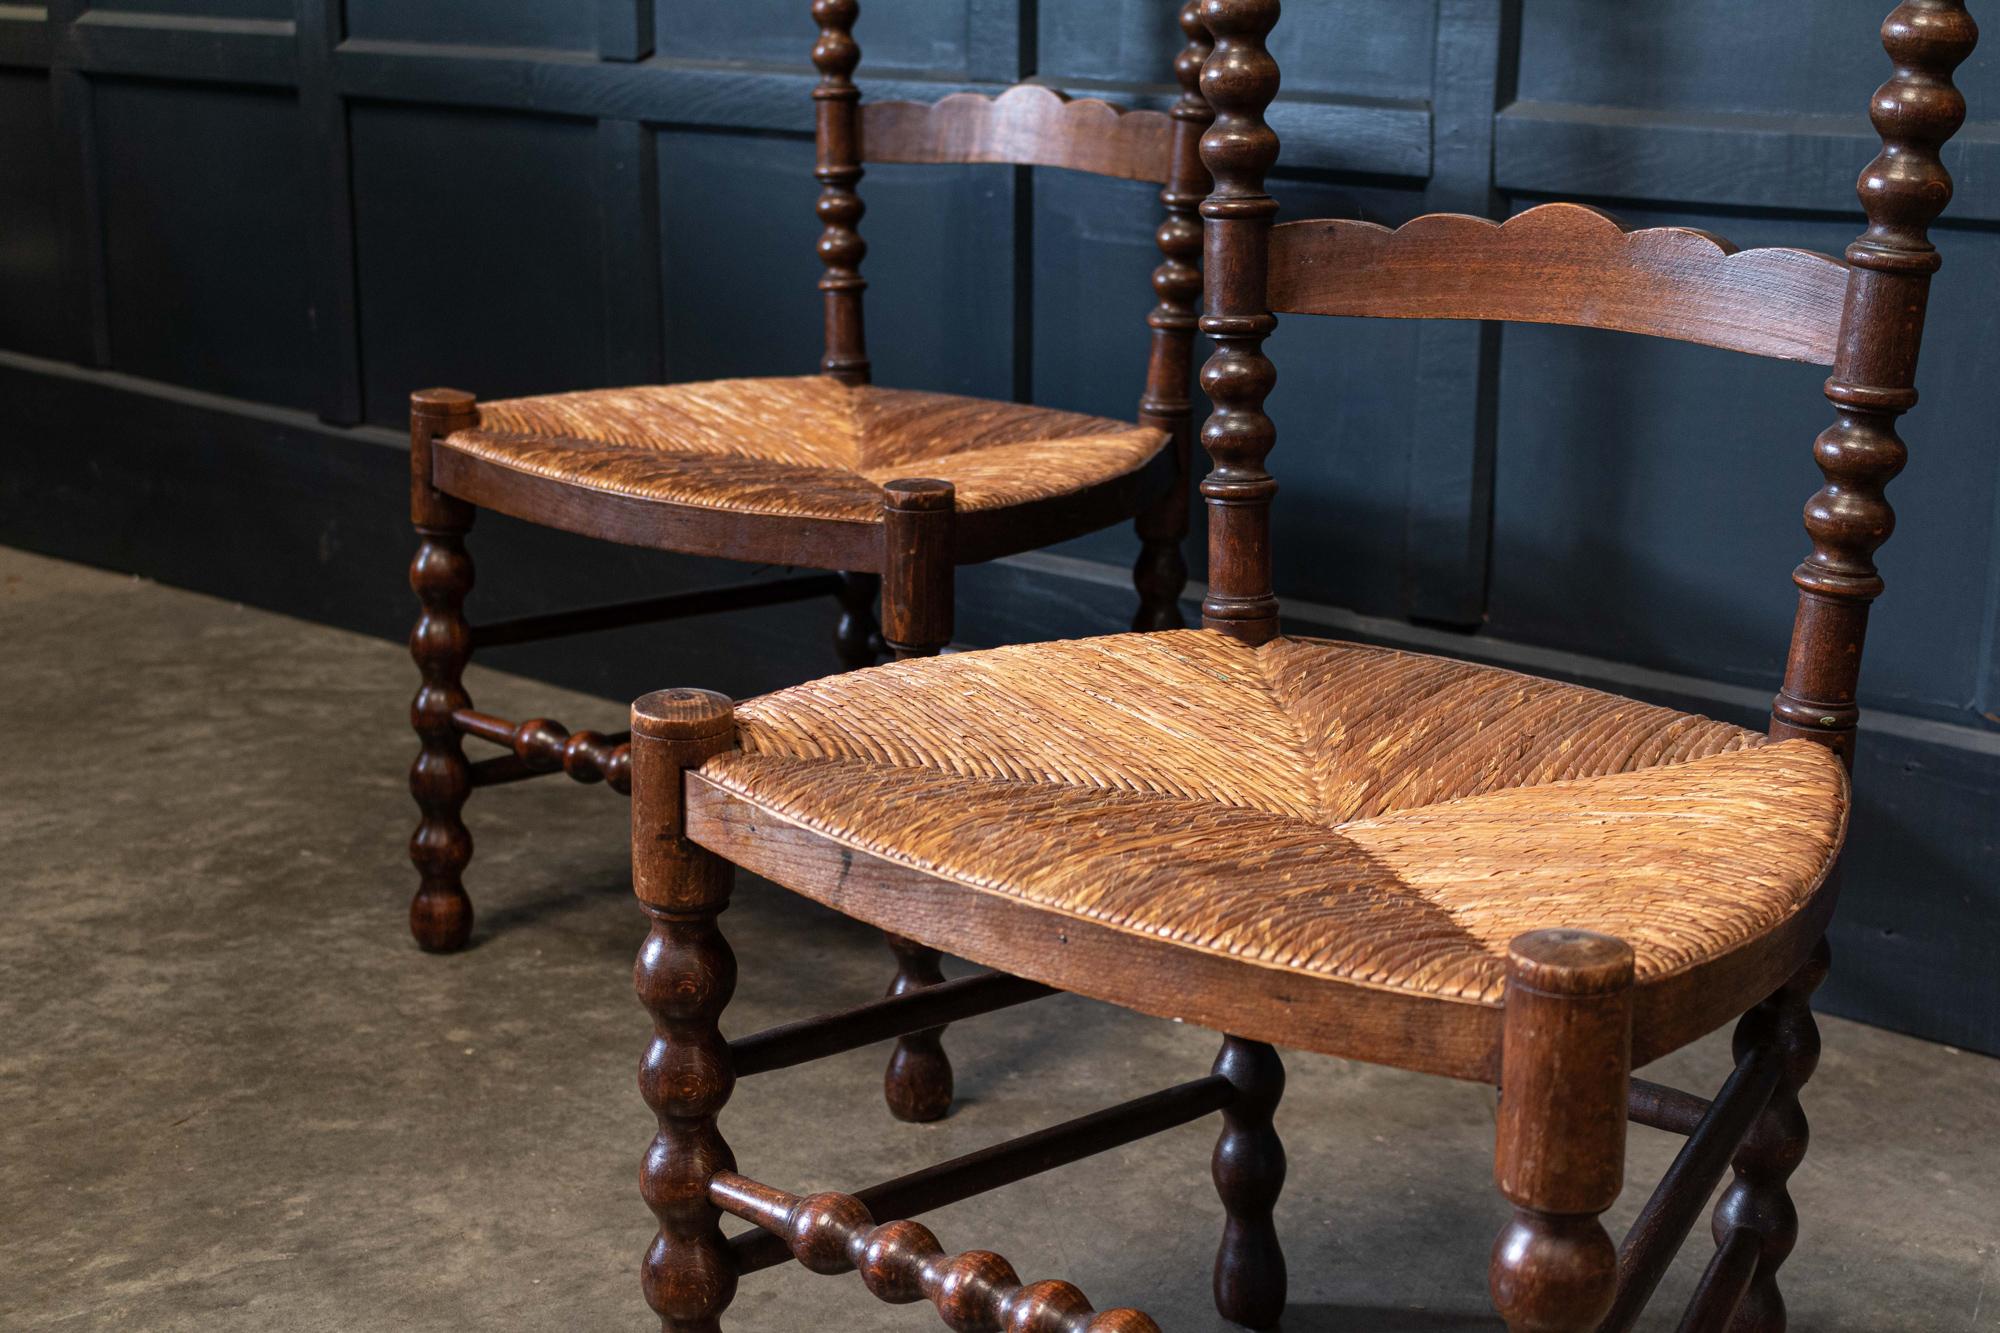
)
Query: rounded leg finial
[{"x": 1560, "y": 1152}]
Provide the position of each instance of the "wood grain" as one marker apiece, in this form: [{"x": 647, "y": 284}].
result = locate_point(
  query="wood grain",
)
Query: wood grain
[
  {"x": 1028, "y": 125},
  {"x": 901, "y": 1262},
  {"x": 1565, "y": 264}
]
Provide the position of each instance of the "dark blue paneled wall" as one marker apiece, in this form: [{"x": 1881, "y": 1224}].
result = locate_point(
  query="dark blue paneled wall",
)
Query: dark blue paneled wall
[{"x": 235, "y": 233}]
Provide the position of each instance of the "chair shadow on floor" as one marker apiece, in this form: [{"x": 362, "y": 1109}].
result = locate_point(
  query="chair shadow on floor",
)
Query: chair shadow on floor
[
  {"x": 1350, "y": 1318},
  {"x": 492, "y": 922}
]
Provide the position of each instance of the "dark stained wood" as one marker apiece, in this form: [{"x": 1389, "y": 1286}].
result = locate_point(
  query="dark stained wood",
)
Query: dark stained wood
[
  {"x": 1239, "y": 80},
  {"x": 1565, "y": 264},
  {"x": 441, "y": 643},
  {"x": 1161, "y": 572},
  {"x": 837, "y": 132},
  {"x": 903, "y": 1011},
  {"x": 1902, "y": 191},
  {"x": 684, "y": 978},
  {"x": 1660, "y": 1107},
  {"x": 1560, "y": 1154},
  {"x": 917, "y": 562},
  {"x": 917, "y": 1084},
  {"x": 857, "y": 637},
  {"x": 989, "y": 1168},
  {"x": 814, "y": 543},
  {"x": 1249, "y": 1171},
  {"x": 1028, "y": 125},
  {"x": 917, "y": 604},
  {"x": 542, "y": 746},
  {"x": 752, "y": 538},
  {"x": 1723, "y": 1283},
  {"x": 1670, "y": 1212},
  {"x": 902, "y": 1262},
  {"x": 1756, "y": 1201}
]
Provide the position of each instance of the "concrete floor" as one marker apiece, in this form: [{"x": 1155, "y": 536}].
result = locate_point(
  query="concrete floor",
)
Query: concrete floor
[{"x": 234, "y": 1097}]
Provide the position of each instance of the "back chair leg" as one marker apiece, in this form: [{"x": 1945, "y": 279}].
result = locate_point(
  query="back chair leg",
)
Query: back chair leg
[
  {"x": 1249, "y": 1168},
  {"x": 917, "y": 1084},
  {"x": 1560, "y": 1151},
  {"x": 1160, "y": 575},
  {"x": 857, "y": 639},
  {"x": 441, "y": 643},
  {"x": 917, "y": 602},
  {"x": 1757, "y": 1200},
  {"x": 684, "y": 977}
]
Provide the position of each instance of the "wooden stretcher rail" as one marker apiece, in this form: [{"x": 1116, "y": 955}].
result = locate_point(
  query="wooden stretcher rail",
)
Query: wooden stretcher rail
[
  {"x": 1724, "y": 1282},
  {"x": 540, "y": 746},
  {"x": 1660, "y": 1107},
  {"x": 901, "y": 1261},
  {"x": 1017, "y": 1159},
  {"x": 1682, "y": 1193},
  {"x": 863, "y": 1025}
]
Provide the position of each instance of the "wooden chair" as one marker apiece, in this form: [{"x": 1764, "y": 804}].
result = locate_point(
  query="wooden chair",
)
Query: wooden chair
[
  {"x": 892, "y": 488},
  {"x": 1424, "y": 863}
]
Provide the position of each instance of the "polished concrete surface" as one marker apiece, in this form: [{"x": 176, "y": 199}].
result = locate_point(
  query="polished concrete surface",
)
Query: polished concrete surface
[{"x": 234, "y": 1097}]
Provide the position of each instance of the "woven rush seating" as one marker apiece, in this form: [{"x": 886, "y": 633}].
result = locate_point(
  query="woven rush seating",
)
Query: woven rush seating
[
  {"x": 804, "y": 446},
  {"x": 1315, "y": 813}
]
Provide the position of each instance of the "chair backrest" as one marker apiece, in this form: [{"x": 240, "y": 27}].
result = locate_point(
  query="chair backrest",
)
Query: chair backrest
[
  {"x": 1564, "y": 264},
  {"x": 1027, "y": 125}
]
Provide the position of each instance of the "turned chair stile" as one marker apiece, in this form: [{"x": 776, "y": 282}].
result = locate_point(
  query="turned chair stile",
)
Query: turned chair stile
[
  {"x": 1423, "y": 863},
  {"x": 886, "y": 491}
]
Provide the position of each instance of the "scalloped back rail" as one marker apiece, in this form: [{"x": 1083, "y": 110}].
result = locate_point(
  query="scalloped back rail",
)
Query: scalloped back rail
[
  {"x": 1565, "y": 264},
  {"x": 1027, "y": 126}
]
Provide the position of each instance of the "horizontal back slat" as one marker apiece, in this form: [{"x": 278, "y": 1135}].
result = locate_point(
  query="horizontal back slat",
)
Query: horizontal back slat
[
  {"x": 1565, "y": 264},
  {"x": 1029, "y": 126}
]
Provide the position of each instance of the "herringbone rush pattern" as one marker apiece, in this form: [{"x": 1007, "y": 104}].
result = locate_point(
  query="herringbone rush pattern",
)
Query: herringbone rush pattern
[
  {"x": 1379, "y": 817},
  {"x": 808, "y": 446}
]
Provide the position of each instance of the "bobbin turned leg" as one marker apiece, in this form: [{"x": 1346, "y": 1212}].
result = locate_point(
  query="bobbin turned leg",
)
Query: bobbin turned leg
[
  {"x": 917, "y": 1084},
  {"x": 1249, "y": 1168},
  {"x": 917, "y": 622},
  {"x": 1757, "y": 1200},
  {"x": 1160, "y": 575},
  {"x": 1560, "y": 1155},
  {"x": 856, "y": 639},
  {"x": 684, "y": 978},
  {"x": 441, "y": 643}
]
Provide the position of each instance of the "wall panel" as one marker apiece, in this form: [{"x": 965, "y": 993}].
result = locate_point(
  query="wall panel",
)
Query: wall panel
[
  {"x": 1357, "y": 47},
  {"x": 738, "y": 235},
  {"x": 35, "y": 315},
  {"x": 1656, "y": 488},
  {"x": 571, "y": 26},
  {"x": 1698, "y": 56},
  {"x": 928, "y": 35},
  {"x": 220, "y": 9},
  {"x": 479, "y": 254},
  {"x": 213, "y": 298}
]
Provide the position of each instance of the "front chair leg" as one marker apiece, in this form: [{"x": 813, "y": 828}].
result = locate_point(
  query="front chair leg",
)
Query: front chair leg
[
  {"x": 1249, "y": 1169},
  {"x": 1757, "y": 1199},
  {"x": 441, "y": 644},
  {"x": 684, "y": 978},
  {"x": 1560, "y": 1154}
]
